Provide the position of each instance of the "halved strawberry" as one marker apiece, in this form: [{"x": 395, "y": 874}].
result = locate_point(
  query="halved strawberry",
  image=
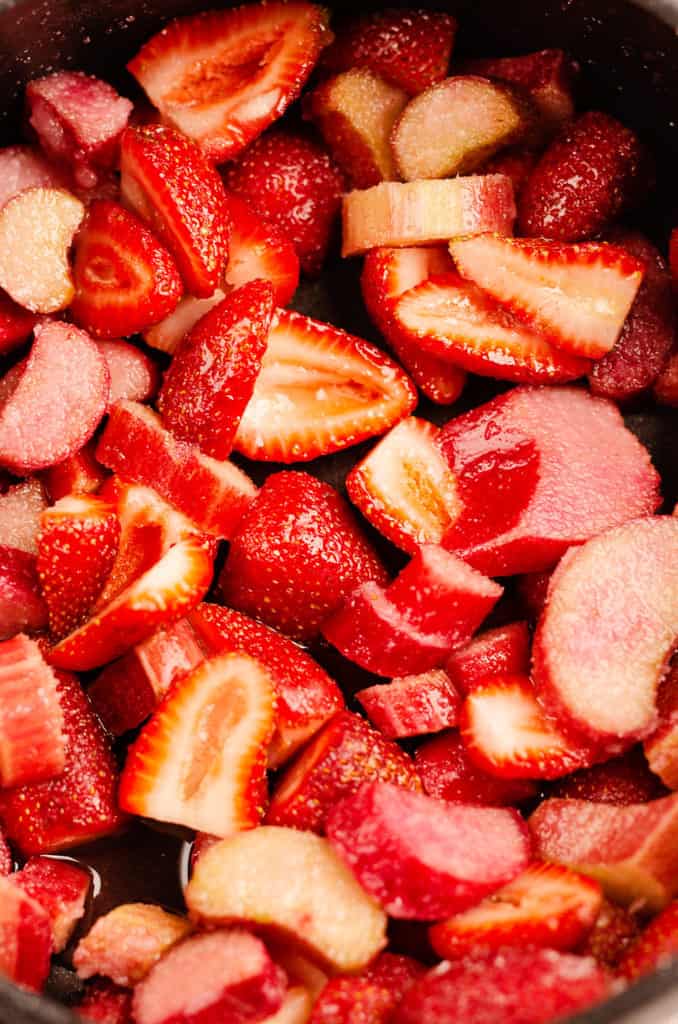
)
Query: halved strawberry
[
  {"x": 78, "y": 474},
  {"x": 22, "y": 606},
  {"x": 125, "y": 280},
  {"x": 170, "y": 332},
  {"x": 320, "y": 390},
  {"x": 497, "y": 652},
  {"x": 16, "y": 324},
  {"x": 259, "y": 250},
  {"x": 577, "y": 296},
  {"x": 62, "y": 890},
  {"x": 21, "y": 507},
  {"x": 169, "y": 183},
  {"x": 222, "y": 77},
  {"x": 448, "y": 773},
  {"x": 25, "y": 937},
  {"x": 412, "y": 705},
  {"x": 201, "y": 760},
  {"x": 105, "y": 1003},
  {"x": 77, "y": 546},
  {"x": 23, "y": 167},
  {"x": 654, "y": 948},
  {"x": 213, "y": 374}
]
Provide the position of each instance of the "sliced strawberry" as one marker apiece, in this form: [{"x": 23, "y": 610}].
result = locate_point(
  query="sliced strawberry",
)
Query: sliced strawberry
[
  {"x": 621, "y": 781},
  {"x": 21, "y": 507},
  {"x": 410, "y": 48},
  {"x": 293, "y": 182},
  {"x": 32, "y": 742},
  {"x": 65, "y": 407},
  {"x": 516, "y": 164},
  {"x": 369, "y": 998},
  {"x": 227, "y": 704},
  {"x": 405, "y": 487},
  {"x": 306, "y": 697},
  {"x": 297, "y": 554},
  {"x": 448, "y": 773},
  {"x": 546, "y": 906},
  {"x": 343, "y": 755},
  {"x": 320, "y": 390},
  {"x": 498, "y": 652},
  {"x": 23, "y": 167},
  {"x": 169, "y": 183},
  {"x": 508, "y": 734},
  {"x": 222, "y": 77},
  {"x": 612, "y": 934},
  {"x": 412, "y": 705},
  {"x": 134, "y": 377},
  {"x": 548, "y": 76},
  {"x": 80, "y": 804},
  {"x": 25, "y": 937},
  {"x": 666, "y": 384},
  {"x": 213, "y": 374},
  {"x": 127, "y": 942},
  {"x": 454, "y": 319},
  {"x": 105, "y": 1003},
  {"x": 162, "y": 595},
  {"x": 577, "y": 296},
  {"x": 16, "y": 324},
  {"x": 77, "y": 546},
  {"x": 22, "y": 606},
  {"x": 78, "y": 474},
  {"x": 656, "y": 946},
  {"x": 170, "y": 332},
  {"x": 260, "y": 251},
  {"x": 62, "y": 890}
]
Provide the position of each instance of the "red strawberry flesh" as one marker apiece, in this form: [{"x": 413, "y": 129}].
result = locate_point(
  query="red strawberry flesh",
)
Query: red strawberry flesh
[
  {"x": 501, "y": 651},
  {"x": 448, "y": 773},
  {"x": 61, "y": 888}
]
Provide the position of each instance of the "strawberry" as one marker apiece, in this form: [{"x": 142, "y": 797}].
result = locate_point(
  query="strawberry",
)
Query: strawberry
[
  {"x": 545, "y": 906},
  {"x": 21, "y": 507},
  {"x": 227, "y": 704},
  {"x": 516, "y": 164},
  {"x": 306, "y": 697},
  {"x": 169, "y": 183},
  {"x": 555, "y": 289},
  {"x": 533, "y": 590},
  {"x": 32, "y": 742},
  {"x": 25, "y": 937},
  {"x": 80, "y": 473},
  {"x": 105, "y": 1003},
  {"x": 297, "y": 554},
  {"x": 621, "y": 781},
  {"x": 253, "y": 62},
  {"x": 212, "y": 375},
  {"x": 125, "y": 280},
  {"x": 77, "y": 546},
  {"x": 320, "y": 390},
  {"x": 369, "y": 998},
  {"x": 290, "y": 180},
  {"x": 170, "y": 332},
  {"x": 548, "y": 77},
  {"x": 260, "y": 251},
  {"x": 23, "y": 167},
  {"x": 16, "y": 323},
  {"x": 409, "y": 48},
  {"x": 62, "y": 890},
  {"x": 448, "y": 773},
  {"x": 587, "y": 177},
  {"x": 612, "y": 934},
  {"x": 134, "y": 377},
  {"x": 80, "y": 804},
  {"x": 22, "y": 606},
  {"x": 343, "y": 755},
  {"x": 497, "y": 652},
  {"x": 412, "y": 705},
  {"x": 655, "y": 947},
  {"x": 6, "y": 858}
]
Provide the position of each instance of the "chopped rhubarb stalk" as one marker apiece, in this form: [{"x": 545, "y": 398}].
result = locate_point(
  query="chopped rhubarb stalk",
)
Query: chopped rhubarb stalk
[
  {"x": 16, "y": 324},
  {"x": 78, "y": 474},
  {"x": 412, "y": 705},
  {"x": 654, "y": 948},
  {"x": 412, "y": 854},
  {"x": 201, "y": 759},
  {"x": 126, "y": 943},
  {"x": 20, "y": 509},
  {"x": 448, "y": 773},
  {"x": 661, "y": 747},
  {"x": 25, "y": 937},
  {"x": 621, "y": 781},
  {"x": 105, "y": 1003},
  {"x": 294, "y": 885},
  {"x": 343, "y": 755},
  {"x": 501, "y": 651},
  {"x": 22, "y": 606},
  {"x": 62, "y": 890},
  {"x": 134, "y": 377},
  {"x": 547, "y": 76},
  {"x": 396, "y": 214},
  {"x": 21, "y": 168}
]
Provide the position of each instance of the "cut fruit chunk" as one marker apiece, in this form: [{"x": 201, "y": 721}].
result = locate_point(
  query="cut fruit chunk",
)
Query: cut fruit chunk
[
  {"x": 412, "y": 853},
  {"x": 614, "y": 931},
  {"x": 16, "y": 323},
  {"x": 62, "y": 890},
  {"x": 293, "y": 884},
  {"x": 201, "y": 760},
  {"x": 134, "y": 377},
  {"x": 78, "y": 474},
  {"x": 604, "y": 684},
  {"x": 448, "y": 773},
  {"x": 222, "y": 77},
  {"x": 405, "y": 488},
  {"x": 23, "y": 167},
  {"x": 6, "y": 858},
  {"x": 64, "y": 407},
  {"x": 25, "y": 937},
  {"x": 504, "y": 651},
  {"x": 515, "y": 163},
  {"x": 655, "y": 948},
  {"x": 621, "y": 781},
  {"x": 170, "y": 332},
  {"x": 36, "y": 231},
  {"x": 20, "y": 509},
  {"x": 260, "y": 251},
  {"x": 661, "y": 747},
  {"x": 399, "y": 214},
  {"x": 22, "y": 606},
  {"x": 577, "y": 296},
  {"x": 547, "y": 76},
  {"x": 454, "y": 126},
  {"x": 412, "y": 705},
  {"x": 369, "y": 998}
]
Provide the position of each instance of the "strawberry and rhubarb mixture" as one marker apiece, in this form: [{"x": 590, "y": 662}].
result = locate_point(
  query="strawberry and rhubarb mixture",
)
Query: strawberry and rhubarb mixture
[{"x": 411, "y": 709}]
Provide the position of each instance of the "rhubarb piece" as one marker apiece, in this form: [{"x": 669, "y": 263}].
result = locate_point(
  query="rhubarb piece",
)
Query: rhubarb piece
[
  {"x": 412, "y": 705},
  {"x": 435, "y": 605},
  {"x": 222, "y": 77},
  {"x": 170, "y": 332},
  {"x": 134, "y": 377},
  {"x": 168, "y": 183},
  {"x": 577, "y": 296},
  {"x": 566, "y": 468},
  {"x": 612, "y": 934},
  {"x": 422, "y": 212},
  {"x": 369, "y": 998},
  {"x": 67, "y": 406},
  {"x": 661, "y": 747},
  {"x": 213, "y": 374},
  {"x": 320, "y": 390},
  {"x": 448, "y": 773},
  {"x": 296, "y": 1007},
  {"x": 306, "y": 697},
  {"x": 343, "y": 755},
  {"x": 62, "y": 890},
  {"x": 292, "y": 568},
  {"x": 20, "y": 509},
  {"x": 454, "y": 319},
  {"x": 456, "y": 125},
  {"x": 355, "y": 113},
  {"x": 547, "y": 76},
  {"x": 126, "y": 943},
  {"x": 32, "y": 744},
  {"x": 545, "y": 906},
  {"x": 227, "y": 704},
  {"x": 105, "y": 1003},
  {"x": 411, "y": 853},
  {"x": 405, "y": 488},
  {"x": 22, "y": 606},
  {"x": 260, "y": 251},
  {"x": 504, "y": 651},
  {"x": 587, "y": 177},
  {"x": 604, "y": 684},
  {"x": 666, "y": 384},
  {"x": 621, "y": 781},
  {"x": 78, "y": 474},
  {"x": 630, "y": 850},
  {"x": 520, "y": 986},
  {"x": 79, "y": 805},
  {"x": 25, "y": 937},
  {"x": 36, "y": 230},
  {"x": 654, "y": 948},
  {"x": 290, "y": 883},
  {"x": 21, "y": 168},
  {"x": 16, "y": 323}
]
